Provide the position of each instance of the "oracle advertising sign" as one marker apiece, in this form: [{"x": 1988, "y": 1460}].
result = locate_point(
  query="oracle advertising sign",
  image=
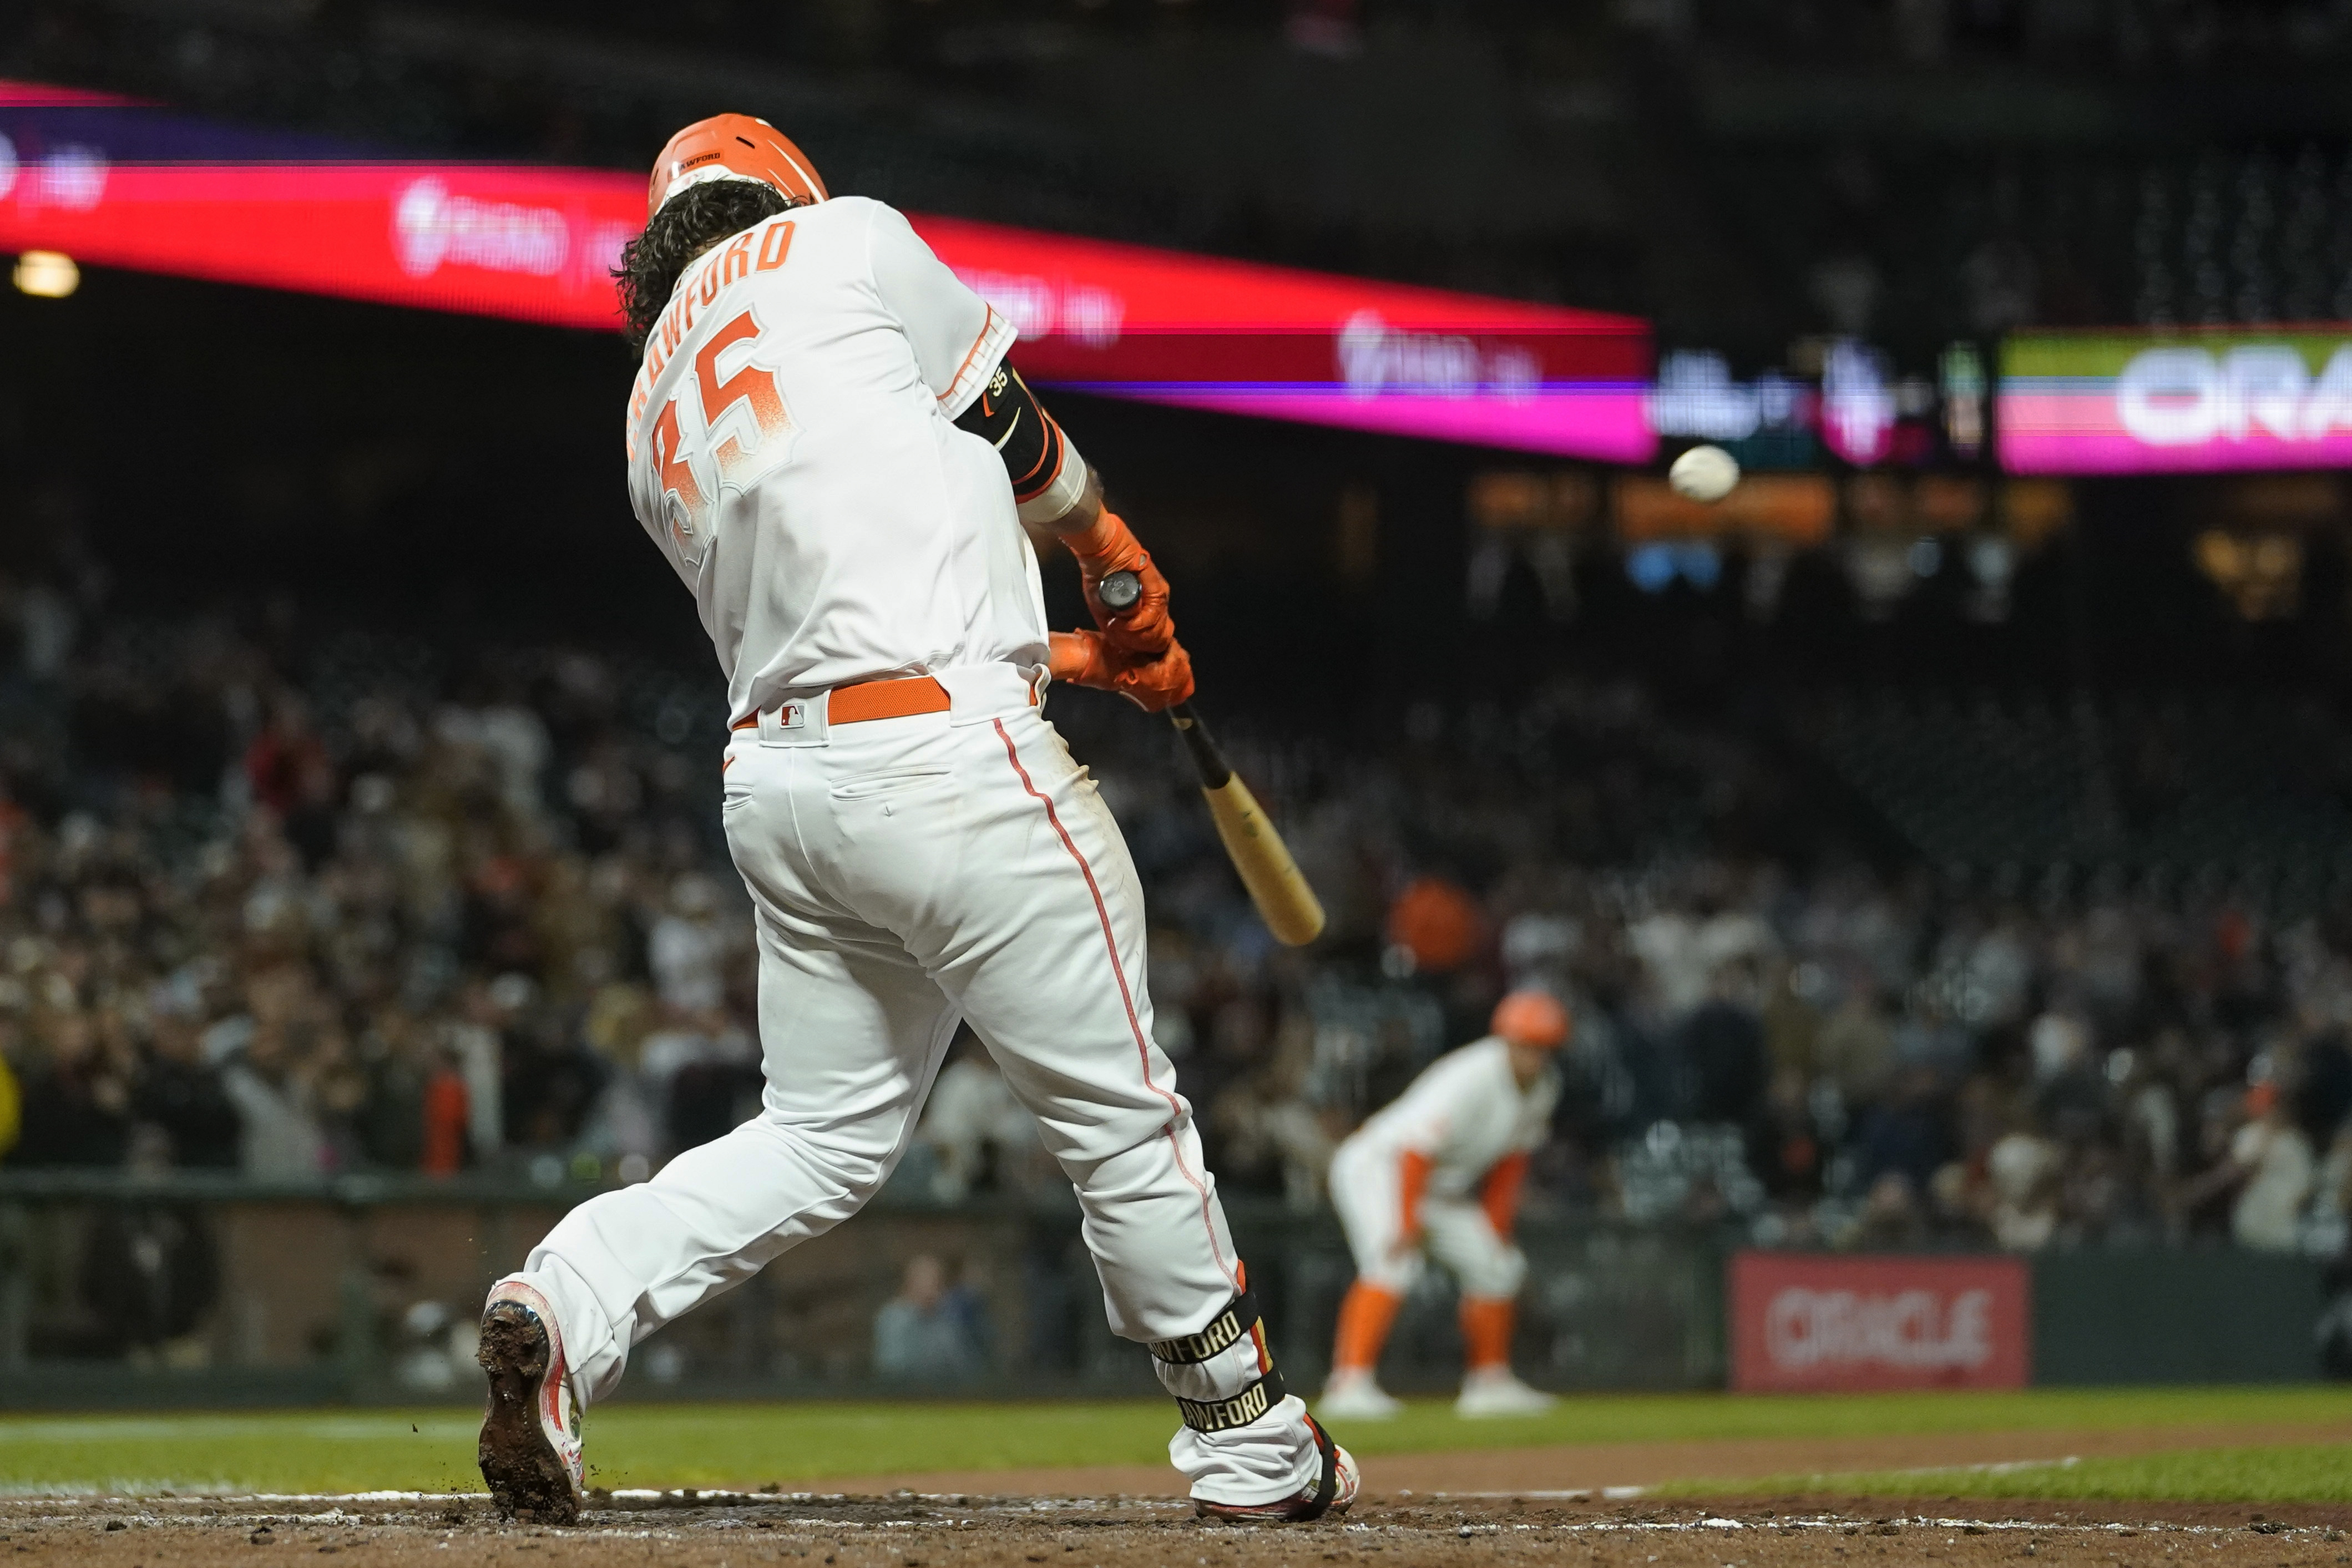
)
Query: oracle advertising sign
[
  {"x": 119, "y": 183},
  {"x": 1803, "y": 1321},
  {"x": 2112, "y": 403}
]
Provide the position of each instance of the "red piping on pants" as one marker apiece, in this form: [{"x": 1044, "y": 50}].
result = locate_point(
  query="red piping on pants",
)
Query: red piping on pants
[{"x": 1142, "y": 1046}]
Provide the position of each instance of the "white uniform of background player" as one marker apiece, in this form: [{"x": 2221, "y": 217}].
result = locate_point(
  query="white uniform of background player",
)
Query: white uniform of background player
[
  {"x": 1436, "y": 1175},
  {"x": 794, "y": 450}
]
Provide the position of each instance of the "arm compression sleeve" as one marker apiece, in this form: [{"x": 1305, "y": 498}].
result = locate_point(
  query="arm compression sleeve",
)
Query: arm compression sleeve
[{"x": 1048, "y": 476}]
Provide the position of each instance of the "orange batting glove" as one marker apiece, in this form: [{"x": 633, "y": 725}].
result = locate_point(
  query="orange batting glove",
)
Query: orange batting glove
[
  {"x": 1091, "y": 658},
  {"x": 1106, "y": 546}
]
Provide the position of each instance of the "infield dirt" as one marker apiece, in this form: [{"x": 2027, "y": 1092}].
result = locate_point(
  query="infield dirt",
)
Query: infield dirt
[
  {"x": 1537, "y": 1504},
  {"x": 910, "y": 1532}
]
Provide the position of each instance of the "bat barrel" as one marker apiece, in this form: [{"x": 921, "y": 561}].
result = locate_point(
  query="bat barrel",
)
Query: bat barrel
[{"x": 1279, "y": 889}]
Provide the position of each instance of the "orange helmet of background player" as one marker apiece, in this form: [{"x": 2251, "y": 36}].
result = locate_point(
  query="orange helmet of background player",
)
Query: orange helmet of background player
[
  {"x": 732, "y": 147},
  {"x": 1532, "y": 1018}
]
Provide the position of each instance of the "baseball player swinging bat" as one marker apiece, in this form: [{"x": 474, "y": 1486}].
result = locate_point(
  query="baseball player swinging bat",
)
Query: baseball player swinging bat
[
  {"x": 1279, "y": 889},
  {"x": 829, "y": 447}
]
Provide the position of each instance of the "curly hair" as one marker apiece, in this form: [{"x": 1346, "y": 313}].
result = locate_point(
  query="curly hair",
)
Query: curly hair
[{"x": 687, "y": 225}]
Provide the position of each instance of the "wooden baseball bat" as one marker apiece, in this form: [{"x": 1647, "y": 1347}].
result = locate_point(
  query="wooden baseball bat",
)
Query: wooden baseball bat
[{"x": 1277, "y": 886}]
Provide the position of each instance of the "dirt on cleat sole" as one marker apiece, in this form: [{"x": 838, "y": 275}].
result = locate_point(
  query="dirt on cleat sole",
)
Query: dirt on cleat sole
[{"x": 525, "y": 1475}]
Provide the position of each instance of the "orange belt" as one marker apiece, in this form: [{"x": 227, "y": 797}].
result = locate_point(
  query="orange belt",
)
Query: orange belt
[{"x": 889, "y": 699}]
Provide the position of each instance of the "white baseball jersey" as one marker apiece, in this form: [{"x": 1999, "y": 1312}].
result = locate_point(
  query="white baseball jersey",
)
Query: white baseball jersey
[
  {"x": 793, "y": 450},
  {"x": 1464, "y": 1112}
]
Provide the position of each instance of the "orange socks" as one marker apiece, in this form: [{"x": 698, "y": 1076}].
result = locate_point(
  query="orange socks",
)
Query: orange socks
[
  {"x": 1364, "y": 1320},
  {"x": 1486, "y": 1331},
  {"x": 1368, "y": 1311}
]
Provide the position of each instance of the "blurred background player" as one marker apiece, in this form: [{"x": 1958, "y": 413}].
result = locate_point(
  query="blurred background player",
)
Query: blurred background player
[{"x": 1437, "y": 1174}]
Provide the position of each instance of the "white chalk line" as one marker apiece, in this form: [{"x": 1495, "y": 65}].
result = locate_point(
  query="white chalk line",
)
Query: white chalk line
[{"x": 1626, "y": 1494}]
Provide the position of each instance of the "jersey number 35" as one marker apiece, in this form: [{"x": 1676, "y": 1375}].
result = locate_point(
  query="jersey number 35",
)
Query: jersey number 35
[{"x": 744, "y": 432}]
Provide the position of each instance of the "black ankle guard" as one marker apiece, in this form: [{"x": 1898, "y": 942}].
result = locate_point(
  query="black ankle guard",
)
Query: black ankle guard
[
  {"x": 1224, "y": 1415},
  {"x": 1225, "y": 1329},
  {"x": 1327, "y": 1481}
]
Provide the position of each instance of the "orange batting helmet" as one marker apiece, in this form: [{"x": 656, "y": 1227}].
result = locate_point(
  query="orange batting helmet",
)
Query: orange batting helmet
[
  {"x": 1532, "y": 1018},
  {"x": 732, "y": 147}
]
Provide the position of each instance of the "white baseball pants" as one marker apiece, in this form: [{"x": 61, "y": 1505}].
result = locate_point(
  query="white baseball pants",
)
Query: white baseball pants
[
  {"x": 1366, "y": 1190},
  {"x": 907, "y": 872}
]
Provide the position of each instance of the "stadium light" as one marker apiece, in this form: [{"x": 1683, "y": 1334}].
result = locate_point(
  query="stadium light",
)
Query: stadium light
[{"x": 47, "y": 274}]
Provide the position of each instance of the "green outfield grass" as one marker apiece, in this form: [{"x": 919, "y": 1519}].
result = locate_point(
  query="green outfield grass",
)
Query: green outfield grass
[
  {"x": 2309, "y": 1472},
  {"x": 801, "y": 1444}
]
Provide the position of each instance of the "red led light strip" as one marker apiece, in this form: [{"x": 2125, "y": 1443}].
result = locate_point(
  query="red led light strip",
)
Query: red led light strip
[{"x": 537, "y": 243}]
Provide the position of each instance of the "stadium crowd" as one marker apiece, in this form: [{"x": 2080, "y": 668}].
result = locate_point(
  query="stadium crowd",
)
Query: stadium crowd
[{"x": 292, "y": 905}]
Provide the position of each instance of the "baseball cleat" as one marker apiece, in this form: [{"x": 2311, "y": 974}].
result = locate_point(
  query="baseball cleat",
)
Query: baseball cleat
[
  {"x": 1335, "y": 1487},
  {"x": 529, "y": 1451},
  {"x": 1354, "y": 1396},
  {"x": 1494, "y": 1391}
]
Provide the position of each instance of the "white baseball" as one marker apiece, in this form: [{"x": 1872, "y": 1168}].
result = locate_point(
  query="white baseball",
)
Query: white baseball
[{"x": 1703, "y": 474}]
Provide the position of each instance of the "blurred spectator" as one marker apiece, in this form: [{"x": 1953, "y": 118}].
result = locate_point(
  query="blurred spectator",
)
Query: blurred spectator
[
  {"x": 980, "y": 1137},
  {"x": 701, "y": 1071},
  {"x": 476, "y": 1040},
  {"x": 1269, "y": 1137},
  {"x": 686, "y": 948},
  {"x": 2025, "y": 1171},
  {"x": 1722, "y": 1046},
  {"x": 1685, "y": 952},
  {"x": 1855, "y": 1048},
  {"x": 270, "y": 1085},
  {"x": 182, "y": 1095},
  {"x": 77, "y": 1105},
  {"x": 388, "y": 1071},
  {"x": 1436, "y": 923},
  {"x": 552, "y": 1077},
  {"x": 442, "y": 1149},
  {"x": 288, "y": 771},
  {"x": 2271, "y": 1156},
  {"x": 1903, "y": 1134},
  {"x": 1787, "y": 1144},
  {"x": 1890, "y": 1220},
  {"x": 925, "y": 1333}
]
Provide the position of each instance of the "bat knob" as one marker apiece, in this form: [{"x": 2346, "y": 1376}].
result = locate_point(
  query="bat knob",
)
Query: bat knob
[{"x": 1119, "y": 591}]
